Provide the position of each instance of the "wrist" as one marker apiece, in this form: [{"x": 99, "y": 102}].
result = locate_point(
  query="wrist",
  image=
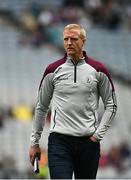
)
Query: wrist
[{"x": 35, "y": 146}]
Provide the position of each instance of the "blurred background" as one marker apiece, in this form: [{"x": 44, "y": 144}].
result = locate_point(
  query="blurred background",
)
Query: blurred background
[{"x": 30, "y": 39}]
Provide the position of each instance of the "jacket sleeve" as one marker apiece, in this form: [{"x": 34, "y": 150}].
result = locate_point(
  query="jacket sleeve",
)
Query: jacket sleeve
[
  {"x": 42, "y": 106},
  {"x": 107, "y": 93}
]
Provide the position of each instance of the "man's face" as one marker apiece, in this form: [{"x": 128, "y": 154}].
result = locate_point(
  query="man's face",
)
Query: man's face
[{"x": 73, "y": 43}]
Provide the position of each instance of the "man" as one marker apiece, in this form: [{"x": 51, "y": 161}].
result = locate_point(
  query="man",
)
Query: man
[{"x": 73, "y": 86}]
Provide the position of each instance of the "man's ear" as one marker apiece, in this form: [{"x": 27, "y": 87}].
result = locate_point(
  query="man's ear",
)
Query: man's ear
[{"x": 84, "y": 41}]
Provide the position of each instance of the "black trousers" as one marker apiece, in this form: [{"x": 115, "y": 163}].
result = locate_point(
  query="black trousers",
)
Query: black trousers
[{"x": 69, "y": 154}]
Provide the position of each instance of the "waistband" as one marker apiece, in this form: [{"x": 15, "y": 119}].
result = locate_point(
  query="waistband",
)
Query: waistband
[{"x": 55, "y": 134}]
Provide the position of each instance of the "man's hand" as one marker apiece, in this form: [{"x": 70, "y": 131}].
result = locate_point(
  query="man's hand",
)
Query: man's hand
[
  {"x": 94, "y": 139},
  {"x": 34, "y": 151}
]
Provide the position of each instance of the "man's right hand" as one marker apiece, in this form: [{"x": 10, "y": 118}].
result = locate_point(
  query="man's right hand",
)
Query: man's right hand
[{"x": 34, "y": 151}]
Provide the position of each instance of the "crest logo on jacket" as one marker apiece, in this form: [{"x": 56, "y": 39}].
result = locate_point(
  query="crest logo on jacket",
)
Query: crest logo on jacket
[{"x": 88, "y": 80}]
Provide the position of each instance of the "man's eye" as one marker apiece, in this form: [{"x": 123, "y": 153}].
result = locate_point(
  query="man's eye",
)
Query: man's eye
[
  {"x": 74, "y": 39},
  {"x": 71, "y": 39}
]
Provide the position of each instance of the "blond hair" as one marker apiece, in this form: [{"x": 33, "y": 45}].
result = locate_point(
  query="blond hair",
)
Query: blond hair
[{"x": 77, "y": 26}]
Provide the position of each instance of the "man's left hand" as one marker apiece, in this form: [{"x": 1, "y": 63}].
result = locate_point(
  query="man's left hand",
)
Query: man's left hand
[{"x": 94, "y": 139}]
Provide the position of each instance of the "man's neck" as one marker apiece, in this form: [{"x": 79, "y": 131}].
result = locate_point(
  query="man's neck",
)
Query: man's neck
[
  {"x": 76, "y": 58},
  {"x": 75, "y": 61}
]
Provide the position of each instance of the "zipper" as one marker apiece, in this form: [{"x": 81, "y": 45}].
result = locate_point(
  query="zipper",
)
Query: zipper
[
  {"x": 75, "y": 71},
  {"x": 54, "y": 120}
]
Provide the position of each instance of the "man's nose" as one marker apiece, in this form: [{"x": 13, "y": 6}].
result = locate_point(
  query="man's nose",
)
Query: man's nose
[{"x": 69, "y": 41}]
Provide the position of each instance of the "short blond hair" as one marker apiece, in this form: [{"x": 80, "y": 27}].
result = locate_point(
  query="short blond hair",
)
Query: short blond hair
[{"x": 77, "y": 26}]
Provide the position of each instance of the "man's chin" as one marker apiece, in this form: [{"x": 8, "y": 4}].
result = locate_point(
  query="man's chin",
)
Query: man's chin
[{"x": 71, "y": 53}]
